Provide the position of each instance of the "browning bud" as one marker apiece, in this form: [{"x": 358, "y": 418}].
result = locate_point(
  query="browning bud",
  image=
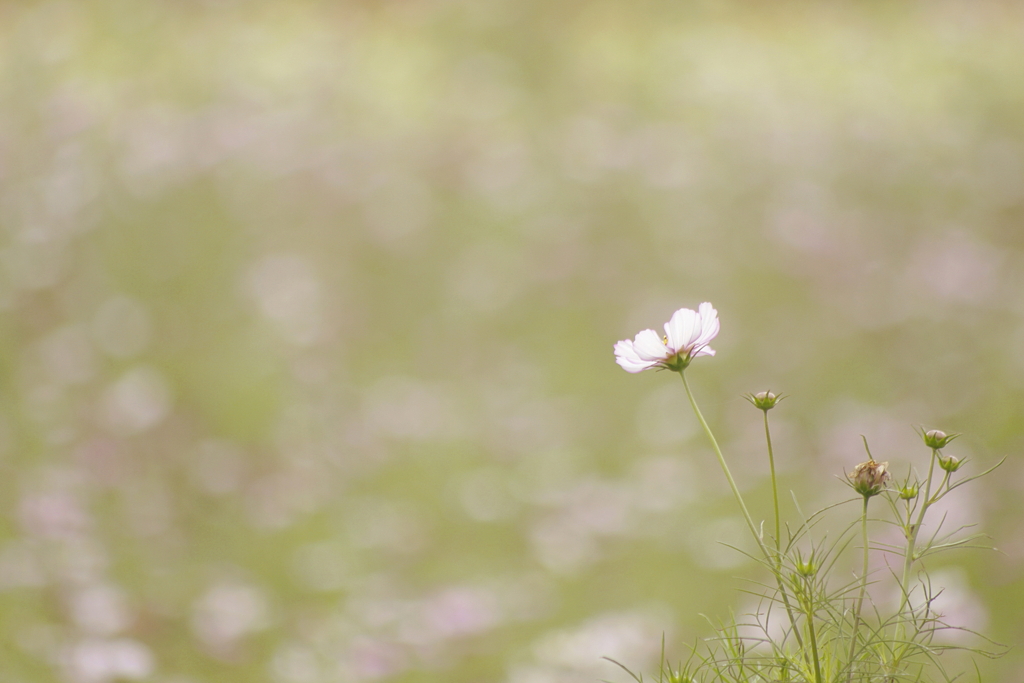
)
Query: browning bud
[{"x": 868, "y": 478}]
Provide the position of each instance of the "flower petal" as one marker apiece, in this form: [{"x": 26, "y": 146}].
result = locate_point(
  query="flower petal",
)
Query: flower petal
[
  {"x": 708, "y": 324},
  {"x": 704, "y": 351},
  {"x": 627, "y": 359},
  {"x": 681, "y": 329},
  {"x": 649, "y": 347}
]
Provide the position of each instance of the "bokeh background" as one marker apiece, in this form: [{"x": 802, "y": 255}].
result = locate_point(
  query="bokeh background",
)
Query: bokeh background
[{"x": 308, "y": 309}]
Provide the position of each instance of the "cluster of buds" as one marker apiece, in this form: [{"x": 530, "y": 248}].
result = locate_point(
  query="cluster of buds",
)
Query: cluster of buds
[
  {"x": 868, "y": 478},
  {"x": 936, "y": 440},
  {"x": 763, "y": 400}
]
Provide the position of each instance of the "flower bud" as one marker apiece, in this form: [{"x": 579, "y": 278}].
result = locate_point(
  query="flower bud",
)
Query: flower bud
[
  {"x": 908, "y": 492},
  {"x": 763, "y": 400},
  {"x": 936, "y": 439},
  {"x": 868, "y": 478},
  {"x": 950, "y": 463},
  {"x": 807, "y": 569}
]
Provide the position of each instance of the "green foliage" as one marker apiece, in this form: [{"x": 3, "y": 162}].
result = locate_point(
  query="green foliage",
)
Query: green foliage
[{"x": 813, "y": 626}]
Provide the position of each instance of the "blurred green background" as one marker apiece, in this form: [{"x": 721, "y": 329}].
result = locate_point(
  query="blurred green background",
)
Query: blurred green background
[{"x": 308, "y": 312}]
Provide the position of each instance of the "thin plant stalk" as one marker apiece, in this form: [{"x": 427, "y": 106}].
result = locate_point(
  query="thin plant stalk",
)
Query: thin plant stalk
[
  {"x": 778, "y": 531},
  {"x": 776, "y": 561},
  {"x": 912, "y": 532},
  {"x": 863, "y": 587},
  {"x": 813, "y": 640},
  {"x": 775, "y": 487},
  {"x": 911, "y": 537},
  {"x": 725, "y": 469}
]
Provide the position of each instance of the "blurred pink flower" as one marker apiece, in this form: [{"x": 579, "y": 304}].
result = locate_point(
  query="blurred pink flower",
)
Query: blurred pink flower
[{"x": 687, "y": 336}]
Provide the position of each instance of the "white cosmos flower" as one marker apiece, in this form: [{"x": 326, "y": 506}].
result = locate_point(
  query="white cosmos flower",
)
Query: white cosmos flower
[{"x": 686, "y": 337}]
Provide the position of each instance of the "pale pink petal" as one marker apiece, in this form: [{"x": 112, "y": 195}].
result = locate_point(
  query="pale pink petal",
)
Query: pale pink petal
[
  {"x": 624, "y": 349},
  {"x": 629, "y": 366},
  {"x": 626, "y": 357},
  {"x": 649, "y": 347},
  {"x": 681, "y": 329},
  {"x": 708, "y": 333},
  {"x": 687, "y": 333},
  {"x": 708, "y": 323}
]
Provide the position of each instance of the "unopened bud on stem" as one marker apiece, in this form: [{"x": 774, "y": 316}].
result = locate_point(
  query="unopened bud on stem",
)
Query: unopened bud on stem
[
  {"x": 868, "y": 478},
  {"x": 764, "y": 400},
  {"x": 908, "y": 492},
  {"x": 950, "y": 463},
  {"x": 936, "y": 438}
]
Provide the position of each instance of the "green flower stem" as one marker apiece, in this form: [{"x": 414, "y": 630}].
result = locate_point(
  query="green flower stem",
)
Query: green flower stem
[
  {"x": 941, "y": 487},
  {"x": 908, "y": 558},
  {"x": 915, "y": 529},
  {"x": 775, "y": 487},
  {"x": 775, "y": 561},
  {"x": 813, "y": 638},
  {"x": 863, "y": 587},
  {"x": 725, "y": 469}
]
